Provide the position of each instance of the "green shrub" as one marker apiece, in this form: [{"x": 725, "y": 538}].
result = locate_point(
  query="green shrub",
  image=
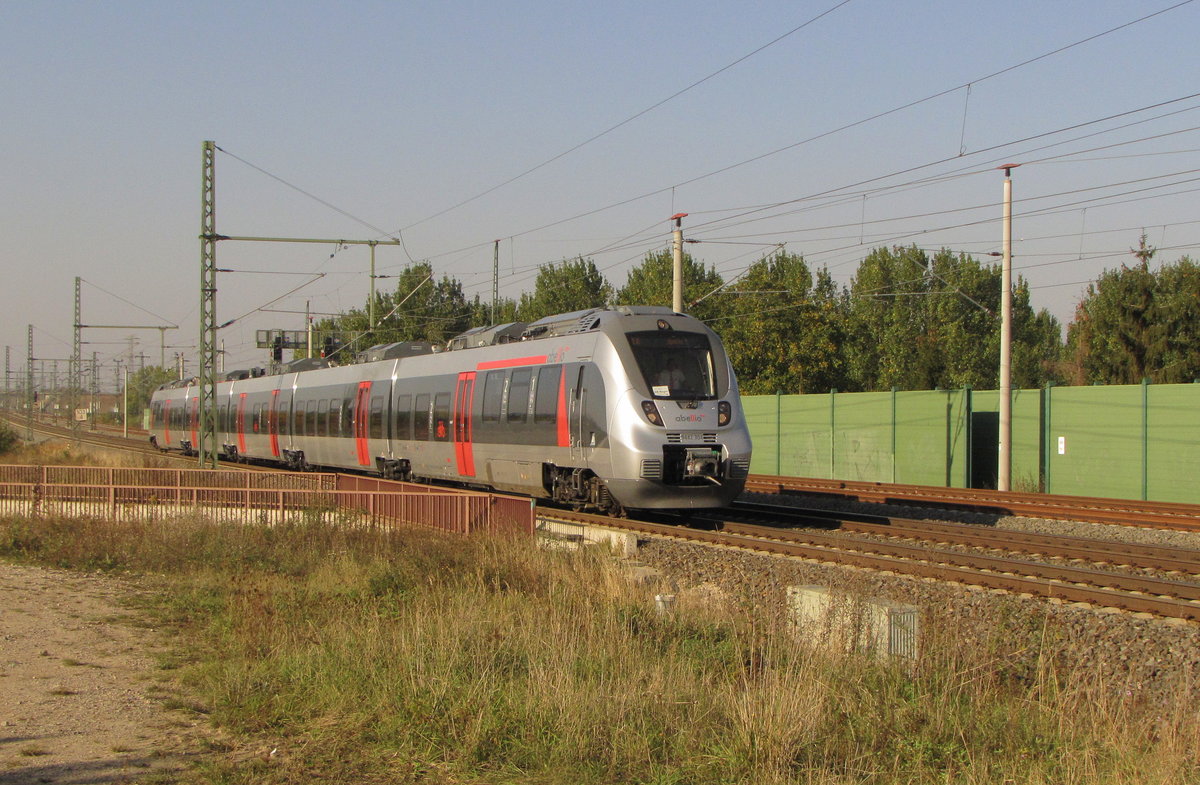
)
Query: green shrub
[{"x": 8, "y": 439}]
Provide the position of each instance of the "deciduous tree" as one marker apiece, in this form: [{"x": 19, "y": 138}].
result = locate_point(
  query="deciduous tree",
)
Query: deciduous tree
[
  {"x": 653, "y": 281},
  {"x": 919, "y": 322},
  {"x": 571, "y": 285},
  {"x": 785, "y": 330}
]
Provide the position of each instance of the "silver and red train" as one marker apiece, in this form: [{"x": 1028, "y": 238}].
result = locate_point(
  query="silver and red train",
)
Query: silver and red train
[{"x": 631, "y": 408}]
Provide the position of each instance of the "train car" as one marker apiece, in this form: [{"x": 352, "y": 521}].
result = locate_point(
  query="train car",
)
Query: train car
[{"x": 630, "y": 408}]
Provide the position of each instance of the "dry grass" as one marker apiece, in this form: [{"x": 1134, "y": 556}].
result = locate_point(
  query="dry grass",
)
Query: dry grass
[
  {"x": 373, "y": 657},
  {"x": 60, "y": 452}
]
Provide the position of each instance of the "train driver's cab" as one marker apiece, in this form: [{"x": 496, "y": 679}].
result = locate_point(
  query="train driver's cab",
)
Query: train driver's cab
[{"x": 675, "y": 365}]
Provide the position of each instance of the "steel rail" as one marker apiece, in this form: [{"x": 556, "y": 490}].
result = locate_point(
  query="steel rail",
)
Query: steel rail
[
  {"x": 1155, "y": 557},
  {"x": 1064, "y": 573},
  {"x": 1044, "y": 587},
  {"x": 1128, "y": 512},
  {"x": 135, "y": 444}
]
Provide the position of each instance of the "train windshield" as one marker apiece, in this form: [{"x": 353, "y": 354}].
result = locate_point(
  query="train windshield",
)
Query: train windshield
[{"x": 674, "y": 364}]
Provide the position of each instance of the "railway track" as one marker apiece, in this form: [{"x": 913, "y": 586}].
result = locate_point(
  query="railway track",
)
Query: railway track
[
  {"x": 1127, "y": 512},
  {"x": 1159, "y": 596},
  {"x": 870, "y": 542},
  {"x": 1100, "y": 552},
  {"x": 110, "y": 438},
  {"x": 103, "y": 437}
]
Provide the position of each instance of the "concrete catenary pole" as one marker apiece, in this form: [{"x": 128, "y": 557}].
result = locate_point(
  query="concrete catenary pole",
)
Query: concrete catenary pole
[
  {"x": 371, "y": 302},
  {"x": 677, "y": 265},
  {"x": 1004, "y": 464},
  {"x": 95, "y": 389},
  {"x": 495, "y": 280},
  {"x": 308, "y": 327},
  {"x": 29, "y": 389}
]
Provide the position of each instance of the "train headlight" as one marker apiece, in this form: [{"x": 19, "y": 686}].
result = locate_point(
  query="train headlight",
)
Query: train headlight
[
  {"x": 724, "y": 413},
  {"x": 651, "y": 412}
]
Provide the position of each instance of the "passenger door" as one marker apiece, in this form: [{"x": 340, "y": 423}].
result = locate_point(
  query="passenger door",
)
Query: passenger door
[
  {"x": 362, "y": 411},
  {"x": 273, "y": 423},
  {"x": 194, "y": 420},
  {"x": 578, "y": 401},
  {"x": 241, "y": 423},
  {"x": 464, "y": 400}
]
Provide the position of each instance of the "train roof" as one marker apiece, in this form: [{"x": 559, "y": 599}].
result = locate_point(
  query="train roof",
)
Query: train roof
[
  {"x": 571, "y": 323},
  {"x": 553, "y": 326}
]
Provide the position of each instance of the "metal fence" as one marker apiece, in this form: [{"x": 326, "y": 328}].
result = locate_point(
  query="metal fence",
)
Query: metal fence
[
  {"x": 908, "y": 437},
  {"x": 1137, "y": 441},
  {"x": 177, "y": 478},
  {"x": 458, "y": 511},
  {"x": 350, "y": 501}
]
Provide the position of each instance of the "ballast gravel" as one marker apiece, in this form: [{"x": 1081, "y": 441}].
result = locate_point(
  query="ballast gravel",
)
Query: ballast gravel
[{"x": 1150, "y": 660}]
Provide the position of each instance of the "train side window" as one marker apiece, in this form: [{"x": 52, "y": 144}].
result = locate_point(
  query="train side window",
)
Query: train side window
[
  {"x": 298, "y": 418},
  {"x": 322, "y": 418},
  {"x": 421, "y": 417},
  {"x": 310, "y": 418},
  {"x": 403, "y": 428},
  {"x": 441, "y": 417},
  {"x": 376, "y": 421},
  {"x": 340, "y": 422},
  {"x": 493, "y": 396},
  {"x": 518, "y": 395},
  {"x": 545, "y": 407}
]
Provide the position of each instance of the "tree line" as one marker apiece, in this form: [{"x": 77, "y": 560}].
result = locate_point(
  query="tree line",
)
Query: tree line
[{"x": 909, "y": 319}]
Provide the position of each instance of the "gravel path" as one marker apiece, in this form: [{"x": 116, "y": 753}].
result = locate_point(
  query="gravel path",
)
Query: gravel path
[{"x": 77, "y": 700}]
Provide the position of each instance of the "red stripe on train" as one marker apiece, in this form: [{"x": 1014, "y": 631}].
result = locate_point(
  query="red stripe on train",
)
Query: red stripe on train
[
  {"x": 513, "y": 363},
  {"x": 564, "y": 419}
]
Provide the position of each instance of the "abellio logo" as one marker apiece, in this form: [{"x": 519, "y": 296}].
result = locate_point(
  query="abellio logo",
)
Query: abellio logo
[{"x": 690, "y": 418}]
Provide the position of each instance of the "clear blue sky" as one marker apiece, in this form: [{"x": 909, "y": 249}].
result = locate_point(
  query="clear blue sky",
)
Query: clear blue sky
[{"x": 394, "y": 112}]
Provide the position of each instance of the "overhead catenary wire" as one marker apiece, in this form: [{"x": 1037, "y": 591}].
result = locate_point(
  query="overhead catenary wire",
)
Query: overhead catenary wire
[
  {"x": 699, "y": 229},
  {"x": 969, "y": 208},
  {"x": 1069, "y": 207},
  {"x": 316, "y": 277},
  {"x": 840, "y": 191},
  {"x": 616, "y": 245},
  {"x": 127, "y": 302},
  {"x": 633, "y": 117},
  {"x": 933, "y": 96},
  {"x": 844, "y": 192}
]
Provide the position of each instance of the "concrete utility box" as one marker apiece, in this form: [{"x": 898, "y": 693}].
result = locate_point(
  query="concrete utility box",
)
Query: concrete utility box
[
  {"x": 623, "y": 543},
  {"x": 879, "y": 627}
]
